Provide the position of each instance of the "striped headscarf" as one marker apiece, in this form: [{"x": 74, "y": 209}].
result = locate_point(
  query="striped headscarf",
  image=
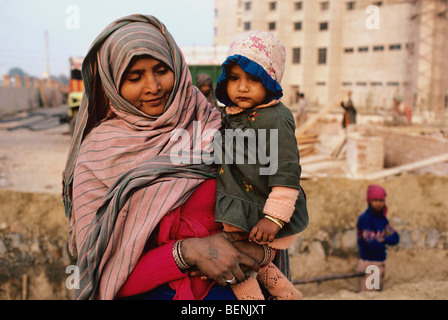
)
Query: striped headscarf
[{"x": 119, "y": 179}]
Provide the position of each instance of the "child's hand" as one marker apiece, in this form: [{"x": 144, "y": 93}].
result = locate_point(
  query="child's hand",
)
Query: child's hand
[
  {"x": 264, "y": 231},
  {"x": 388, "y": 231}
]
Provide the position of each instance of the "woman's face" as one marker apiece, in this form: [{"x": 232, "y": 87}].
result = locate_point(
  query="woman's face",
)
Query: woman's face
[{"x": 147, "y": 85}]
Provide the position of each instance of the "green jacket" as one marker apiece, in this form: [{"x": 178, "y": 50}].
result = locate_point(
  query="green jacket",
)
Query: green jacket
[{"x": 268, "y": 135}]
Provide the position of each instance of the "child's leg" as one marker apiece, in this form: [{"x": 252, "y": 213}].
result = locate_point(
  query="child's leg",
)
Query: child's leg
[
  {"x": 249, "y": 289},
  {"x": 277, "y": 284}
]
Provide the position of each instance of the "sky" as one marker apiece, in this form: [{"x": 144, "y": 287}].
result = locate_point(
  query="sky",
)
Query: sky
[{"x": 72, "y": 25}]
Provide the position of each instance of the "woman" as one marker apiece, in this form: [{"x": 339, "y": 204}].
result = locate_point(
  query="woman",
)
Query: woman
[
  {"x": 128, "y": 204},
  {"x": 205, "y": 84},
  {"x": 349, "y": 111}
]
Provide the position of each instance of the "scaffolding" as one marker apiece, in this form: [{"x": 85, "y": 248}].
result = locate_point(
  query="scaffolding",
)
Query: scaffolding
[{"x": 427, "y": 66}]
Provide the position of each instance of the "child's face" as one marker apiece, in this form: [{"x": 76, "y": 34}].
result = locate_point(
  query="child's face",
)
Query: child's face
[
  {"x": 243, "y": 89},
  {"x": 147, "y": 85},
  {"x": 377, "y": 204}
]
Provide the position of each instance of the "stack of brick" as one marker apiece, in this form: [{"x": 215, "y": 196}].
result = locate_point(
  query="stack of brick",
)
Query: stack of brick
[{"x": 365, "y": 154}]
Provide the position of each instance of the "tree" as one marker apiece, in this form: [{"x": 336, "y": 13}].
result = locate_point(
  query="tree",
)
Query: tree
[{"x": 17, "y": 71}]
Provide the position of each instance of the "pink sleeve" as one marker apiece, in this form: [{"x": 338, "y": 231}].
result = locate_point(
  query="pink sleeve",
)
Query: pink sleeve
[
  {"x": 280, "y": 203},
  {"x": 154, "y": 268}
]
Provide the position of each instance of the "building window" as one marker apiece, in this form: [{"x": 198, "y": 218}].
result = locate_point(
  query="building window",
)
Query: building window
[
  {"x": 351, "y": 5},
  {"x": 395, "y": 47},
  {"x": 376, "y": 84},
  {"x": 349, "y": 50},
  {"x": 378, "y": 3},
  {"x": 271, "y": 26},
  {"x": 393, "y": 84},
  {"x": 322, "y": 55},
  {"x": 272, "y": 5},
  {"x": 324, "y": 6},
  {"x": 361, "y": 84},
  {"x": 323, "y": 26},
  {"x": 298, "y": 25},
  {"x": 298, "y": 5},
  {"x": 363, "y": 49},
  {"x": 296, "y": 55},
  {"x": 346, "y": 84},
  {"x": 247, "y": 5},
  {"x": 320, "y": 83},
  {"x": 378, "y": 48},
  {"x": 246, "y": 26}
]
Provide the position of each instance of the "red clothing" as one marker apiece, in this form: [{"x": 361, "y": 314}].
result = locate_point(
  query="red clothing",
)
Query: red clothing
[{"x": 194, "y": 218}]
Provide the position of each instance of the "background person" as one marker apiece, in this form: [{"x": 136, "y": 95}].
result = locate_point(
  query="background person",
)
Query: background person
[
  {"x": 374, "y": 235},
  {"x": 349, "y": 111},
  {"x": 301, "y": 114},
  {"x": 402, "y": 113},
  {"x": 205, "y": 84}
]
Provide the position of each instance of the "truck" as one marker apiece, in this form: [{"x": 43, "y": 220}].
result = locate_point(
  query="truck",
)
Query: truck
[{"x": 76, "y": 90}]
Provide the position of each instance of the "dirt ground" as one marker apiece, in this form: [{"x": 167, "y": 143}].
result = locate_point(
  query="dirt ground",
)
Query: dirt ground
[
  {"x": 32, "y": 162},
  {"x": 414, "y": 203},
  {"x": 410, "y": 275}
]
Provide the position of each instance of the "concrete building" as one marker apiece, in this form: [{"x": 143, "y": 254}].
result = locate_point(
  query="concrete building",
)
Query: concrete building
[{"x": 375, "y": 48}]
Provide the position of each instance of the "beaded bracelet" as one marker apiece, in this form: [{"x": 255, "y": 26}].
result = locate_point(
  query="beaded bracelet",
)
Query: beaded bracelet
[
  {"x": 178, "y": 258},
  {"x": 269, "y": 255}
]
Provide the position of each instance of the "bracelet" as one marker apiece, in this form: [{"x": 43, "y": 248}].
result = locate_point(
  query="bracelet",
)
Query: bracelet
[
  {"x": 278, "y": 222},
  {"x": 269, "y": 255},
  {"x": 178, "y": 258}
]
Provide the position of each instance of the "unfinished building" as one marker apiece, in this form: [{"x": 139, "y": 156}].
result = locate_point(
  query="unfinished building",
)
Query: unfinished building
[{"x": 377, "y": 49}]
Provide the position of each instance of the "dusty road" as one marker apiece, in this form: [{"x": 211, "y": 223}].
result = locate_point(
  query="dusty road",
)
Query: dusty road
[{"x": 33, "y": 149}]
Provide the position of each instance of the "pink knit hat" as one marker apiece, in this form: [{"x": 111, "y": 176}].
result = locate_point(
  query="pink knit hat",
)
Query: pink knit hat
[
  {"x": 263, "y": 48},
  {"x": 262, "y": 55},
  {"x": 375, "y": 191}
]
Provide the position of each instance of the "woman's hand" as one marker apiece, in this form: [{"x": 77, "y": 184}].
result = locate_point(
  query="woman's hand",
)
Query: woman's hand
[
  {"x": 252, "y": 249},
  {"x": 217, "y": 258}
]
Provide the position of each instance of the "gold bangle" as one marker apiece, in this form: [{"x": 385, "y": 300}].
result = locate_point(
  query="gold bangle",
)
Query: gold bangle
[{"x": 275, "y": 220}]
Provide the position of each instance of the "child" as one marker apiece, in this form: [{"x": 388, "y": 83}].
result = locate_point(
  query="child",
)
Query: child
[
  {"x": 269, "y": 209},
  {"x": 374, "y": 233}
]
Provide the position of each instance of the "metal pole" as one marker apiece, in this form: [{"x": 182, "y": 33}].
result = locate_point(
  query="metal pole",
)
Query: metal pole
[
  {"x": 47, "y": 47},
  {"x": 330, "y": 277}
]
